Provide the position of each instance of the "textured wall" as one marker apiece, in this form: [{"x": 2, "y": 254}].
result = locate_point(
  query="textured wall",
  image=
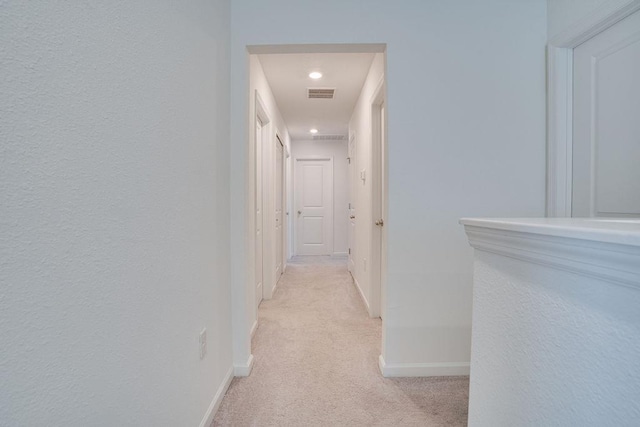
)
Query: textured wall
[
  {"x": 552, "y": 347},
  {"x": 466, "y": 134},
  {"x": 114, "y": 211},
  {"x": 562, "y": 14}
]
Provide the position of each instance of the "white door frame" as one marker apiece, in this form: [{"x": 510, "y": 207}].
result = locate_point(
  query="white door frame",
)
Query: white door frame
[
  {"x": 378, "y": 268},
  {"x": 560, "y": 99},
  {"x": 242, "y": 233}
]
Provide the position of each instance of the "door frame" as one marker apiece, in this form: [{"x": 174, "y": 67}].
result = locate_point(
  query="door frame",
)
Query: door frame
[
  {"x": 560, "y": 99},
  {"x": 295, "y": 197},
  {"x": 242, "y": 233}
]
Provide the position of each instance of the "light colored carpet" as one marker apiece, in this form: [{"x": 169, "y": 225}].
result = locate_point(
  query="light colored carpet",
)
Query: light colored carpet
[{"x": 316, "y": 363}]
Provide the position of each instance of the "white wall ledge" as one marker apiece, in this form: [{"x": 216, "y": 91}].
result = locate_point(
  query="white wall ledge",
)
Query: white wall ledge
[{"x": 607, "y": 249}]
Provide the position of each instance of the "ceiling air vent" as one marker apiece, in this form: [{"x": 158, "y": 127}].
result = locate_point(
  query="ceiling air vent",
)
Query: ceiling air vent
[
  {"x": 329, "y": 137},
  {"x": 318, "y": 93}
]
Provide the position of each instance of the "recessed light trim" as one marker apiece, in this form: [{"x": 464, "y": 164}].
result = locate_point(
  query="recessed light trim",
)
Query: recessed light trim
[
  {"x": 313, "y": 131},
  {"x": 315, "y": 75}
]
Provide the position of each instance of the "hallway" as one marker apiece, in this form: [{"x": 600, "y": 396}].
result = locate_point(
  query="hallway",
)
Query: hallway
[{"x": 316, "y": 362}]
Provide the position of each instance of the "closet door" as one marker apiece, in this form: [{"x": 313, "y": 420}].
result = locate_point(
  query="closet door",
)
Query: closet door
[{"x": 606, "y": 123}]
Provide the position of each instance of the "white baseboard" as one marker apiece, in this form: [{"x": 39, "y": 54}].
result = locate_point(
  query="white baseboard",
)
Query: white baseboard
[
  {"x": 364, "y": 299},
  {"x": 217, "y": 399},
  {"x": 254, "y": 328},
  {"x": 339, "y": 254},
  {"x": 442, "y": 369},
  {"x": 245, "y": 369}
]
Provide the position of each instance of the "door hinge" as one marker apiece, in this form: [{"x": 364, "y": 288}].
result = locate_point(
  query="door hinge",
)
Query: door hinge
[
  {"x": 349, "y": 251},
  {"x": 349, "y": 160}
]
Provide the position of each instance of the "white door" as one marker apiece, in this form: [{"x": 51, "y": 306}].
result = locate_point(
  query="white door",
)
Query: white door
[
  {"x": 258, "y": 201},
  {"x": 606, "y": 123},
  {"x": 279, "y": 181},
  {"x": 314, "y": 206},
  {"x": 383, "y": 206},
  {"x": 378, "y": 261},
  {"x": 351, "y": 233}
]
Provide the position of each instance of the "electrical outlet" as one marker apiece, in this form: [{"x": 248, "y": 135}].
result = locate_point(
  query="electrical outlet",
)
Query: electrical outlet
[{"x": 203, "y": 343}]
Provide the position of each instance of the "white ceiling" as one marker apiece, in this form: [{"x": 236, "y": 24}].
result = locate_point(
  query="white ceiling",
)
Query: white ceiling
[{"x": 288, "y": 76}]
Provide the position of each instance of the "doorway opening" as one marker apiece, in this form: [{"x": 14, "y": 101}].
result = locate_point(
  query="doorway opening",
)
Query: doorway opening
[{"x": 317, "y": 164}]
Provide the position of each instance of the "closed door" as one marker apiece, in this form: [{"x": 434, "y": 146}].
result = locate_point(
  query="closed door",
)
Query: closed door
[
  {"x": 279, "y": 181},
  {"x": 259, "y": 225},
  {"x": 352, "y": 205},
  {"x": 606, "y": 123},
  {"x": 314, "y": 206}
]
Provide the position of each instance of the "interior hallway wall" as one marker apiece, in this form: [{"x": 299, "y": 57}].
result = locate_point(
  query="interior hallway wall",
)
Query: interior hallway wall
[
  {"x": 258, "y": 84},
  {"x": 114, "y": 220},
  {"x": 360, "y": 125},
  {"x": 466, "y": 135},
  {"x": 338, "y": 151}
]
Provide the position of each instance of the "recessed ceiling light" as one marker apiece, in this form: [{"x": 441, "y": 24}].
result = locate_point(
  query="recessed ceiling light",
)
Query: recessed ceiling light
[
  {"x": 313, "y": 131},
  {"x": 315, "y": 75}
]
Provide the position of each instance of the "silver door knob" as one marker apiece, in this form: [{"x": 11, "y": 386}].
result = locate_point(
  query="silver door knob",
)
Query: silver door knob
[
  {"x": 299, "y": 212},
  {"x": 352, "y": 217},
  {"x": 380, "y": 222}
]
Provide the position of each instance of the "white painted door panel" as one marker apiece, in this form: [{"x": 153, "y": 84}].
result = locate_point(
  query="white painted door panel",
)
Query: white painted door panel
[
  {"x": 314, "y": 206},
  {"x": 606, "y": 123}
]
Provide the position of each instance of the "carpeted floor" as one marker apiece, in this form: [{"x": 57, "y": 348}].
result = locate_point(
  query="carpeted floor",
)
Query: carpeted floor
[{"x": 316, "y": 363}]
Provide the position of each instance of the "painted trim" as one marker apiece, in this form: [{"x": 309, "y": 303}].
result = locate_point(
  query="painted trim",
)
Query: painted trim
[
  {"x": 441, "y": 369},
  {"x": 217, "y": 399},
  {"x": 254, "y": 328},
  {"x": 364, "y": 299},
  {"x": 318, "y": 48},
  {"x": 612, "y": 262},
  {"x": 560, "y": 98},
  {"x": 339, "y": 254},
  {"x": 245, "y": 369},
  {"x": 559, "y": 131}
]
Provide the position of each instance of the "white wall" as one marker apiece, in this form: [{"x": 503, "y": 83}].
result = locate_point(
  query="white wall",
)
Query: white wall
[
  {"x": 360, "y": 125},
  {"x": 552, "y": 347},
  {"x": 466, "y": 135},
  {"x": 338, "y": 151},
  {"x": 562, "y": 14},
  {"x": 114, "y": 236}
]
